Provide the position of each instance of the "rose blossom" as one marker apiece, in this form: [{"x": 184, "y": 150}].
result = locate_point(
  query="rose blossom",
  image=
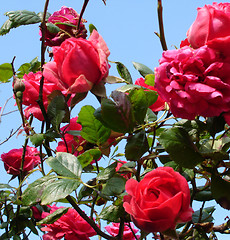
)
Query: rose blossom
[
  {"x": 74, "y": 143},
  {"x": 71, "y": 226},
  {"x": 67, "y": 20},
  {"x": 211, "y": 27},
  {"x": 160, "y": 103},
  {"x": 31, "y": 94},
  {"x": 194, "y": 82},
  {"x": 13, "y": 159},
  {"x": 127, "y": 233},
  {"x": 159, "y": 201},
  {"x": 78, "y": 64}
]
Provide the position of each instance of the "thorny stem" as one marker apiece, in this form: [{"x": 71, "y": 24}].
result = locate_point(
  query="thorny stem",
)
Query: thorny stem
[
  {"x": 161, "y": 26},
  {"x": 132, "y": 231},
  {"x": 43, "y": 48}
]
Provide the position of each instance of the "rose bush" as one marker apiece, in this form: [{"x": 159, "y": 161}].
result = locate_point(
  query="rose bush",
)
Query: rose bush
[
  {"x": 127, "y": 233},
  {"x": 159, "y": 104},
  {"x": 159, "y": 201},
  {"x": 78, "y": 64},
  {"x": 66, "y": 19},
  {"x": 194, "y": 82},
  {"x": 71, "y": 226},
  {"x": 211, "y": 27},
  {"x": 13, "y": 159}
]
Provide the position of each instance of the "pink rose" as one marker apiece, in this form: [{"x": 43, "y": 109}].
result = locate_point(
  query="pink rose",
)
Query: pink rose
[
  {"x": 194, "y": 82},
  {"x": 74, "y": 143},
  {"x": 67, "y": 20},
  {"x": 71, "y": 226},
  {"x": 31, "y": 94},
  {"x": 211, "y": 27},
  {"x": 127, "y": 233},
  {"x": 160, "y": 103},
  {"x": 159, "y": 201},
  {"x": 13, "y": 159},
  {"x": 78, "y": 64}
]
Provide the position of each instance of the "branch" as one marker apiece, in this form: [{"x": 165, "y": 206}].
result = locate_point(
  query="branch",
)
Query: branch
[{"x": 161, "y": 25}]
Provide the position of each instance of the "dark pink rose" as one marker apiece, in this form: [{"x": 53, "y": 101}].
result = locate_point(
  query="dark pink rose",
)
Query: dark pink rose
[
  {"x": 160, "y": 103},
  {"x": 36, "y": 213},
  {"x": 78, "y": 64},
  {"x": 127, "y": 233},
  {"x": 74, "y": 144},
  {"x": 70, "y": 226},
  {"x": 67, "y": 20},
  {"x": 13, "y": 159},
  {"x": 31, "y": 94},
  {"x": 211, "y": 27},
  {"x": 159, "y": 201},
  {"x": 194, "y": 82}
]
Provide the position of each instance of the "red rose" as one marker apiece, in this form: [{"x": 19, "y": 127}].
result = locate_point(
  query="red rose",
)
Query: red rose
[
  {"x": 74, "y": 143},
  {"x": 67, "y": 20},
  {"x": 159, "y": 201},
  {"x": 125, "y": 174},
  {"x": 159, "y": 104},
  {"x": 13, "y": 159},
  {"x": 194, "y": 82},
  {"x": 127, "y": 232},
  {"x": 211, "y": 27},
  {"x": 71, "y": 226},
  {"x": 31, "y": 94},
  {"x": 78, "y": 64}
]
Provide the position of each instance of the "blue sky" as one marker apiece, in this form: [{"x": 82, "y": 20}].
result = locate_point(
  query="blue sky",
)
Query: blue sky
[{"x": 128, "y": 28}]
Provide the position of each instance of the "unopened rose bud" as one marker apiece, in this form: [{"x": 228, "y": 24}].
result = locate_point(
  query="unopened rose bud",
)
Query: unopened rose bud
[{"x": 19, "y": 85}]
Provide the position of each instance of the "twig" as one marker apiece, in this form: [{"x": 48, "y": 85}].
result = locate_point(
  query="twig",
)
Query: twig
[
  {"x": 11, "y": 135},
  {"x": 81, "y": 14},
  {"x": 161, "y": 26},
  {"x": 1, "y": 114}
]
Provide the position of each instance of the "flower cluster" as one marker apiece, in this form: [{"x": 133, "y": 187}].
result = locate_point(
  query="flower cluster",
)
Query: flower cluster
[{"x": 194, "y": 79}]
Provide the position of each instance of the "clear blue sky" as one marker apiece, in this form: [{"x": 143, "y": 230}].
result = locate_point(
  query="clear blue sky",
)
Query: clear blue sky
[{"x": 128, "y": 28}]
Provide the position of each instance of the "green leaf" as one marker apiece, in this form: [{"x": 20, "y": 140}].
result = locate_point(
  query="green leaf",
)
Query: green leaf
[
  {"x": 206, "y": 215},
  {"x": 34, "y": 191},
  {"x": 34, "y": 65},
  {"x": 23, "y": 17},
  {"x": 7, "y": 26},
  {"x": 53, "y": 217},
  {"x": 40, "y": 15},
  {"x": 150, "y": 80},
  {"x": 23, "y": 69},
  {"x": 219, "y": 189},
  {"x": 3, "y": 185},
  {"x": 128, "y": 87},
  {"x": 58, "y": 190},
  {"x": 114, "y": 186},
  {"x": 5, "y": 72},
  {"x": 113, "y": 79},
  {"x": 203, "y": 196},
  {"x": 124, "y": 72},
  {"x": 88, "y": 156},
  {"x": 150, "y": 116},
  {"x": 58, "y": 111},
  {"x": 140, "y": 101},
  {"x": 66, "y": 165},
  {"x": 92, "y": 129},
  {"x": 180, "y": 147},
  {"x": 112, "y": 213},
  {"x": 142, "y": 69},
  {"x": 91, "y": 28},
  {"x": 107, "y": 173},
  {"x": 52, "y": 28},
  {"x": 37, "y": 139},
  {"x": 136, "y": 146},
  {"x": 117, "y": 115}
]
